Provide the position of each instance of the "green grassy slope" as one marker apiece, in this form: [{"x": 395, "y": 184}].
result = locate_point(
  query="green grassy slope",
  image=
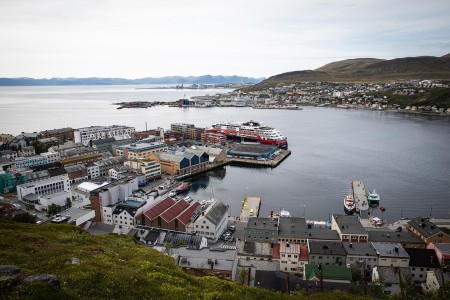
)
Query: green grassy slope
[{"x": 111, "y": 267}]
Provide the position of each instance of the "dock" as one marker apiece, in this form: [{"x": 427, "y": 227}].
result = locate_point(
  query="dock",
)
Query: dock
[
  {"x": 360, "y": 196},
  {"x": 250, "y": 208}
]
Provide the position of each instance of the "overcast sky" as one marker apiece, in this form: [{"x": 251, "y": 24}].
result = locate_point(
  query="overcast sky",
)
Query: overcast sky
[{"x": 134, "y": 39}]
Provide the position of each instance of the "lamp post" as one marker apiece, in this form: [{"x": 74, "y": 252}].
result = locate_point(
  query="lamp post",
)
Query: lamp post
[{"x": 304, "y": 209}]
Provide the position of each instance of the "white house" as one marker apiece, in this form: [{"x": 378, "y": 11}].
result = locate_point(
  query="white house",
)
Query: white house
[{"x": 211, "y": 222}]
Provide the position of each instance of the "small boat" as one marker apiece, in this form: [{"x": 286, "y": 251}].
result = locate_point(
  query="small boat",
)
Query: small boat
[
  {"x": 349, "y": 205},
  {"x": 373, "y": 198},
  {"x": 183, "y": 187},
  {"x": 382, "y": 208}
]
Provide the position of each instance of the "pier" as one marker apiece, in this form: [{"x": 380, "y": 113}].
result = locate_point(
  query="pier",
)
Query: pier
[
  {"x": 360, "y": 196},
  {"x": 250, "y": 208}
]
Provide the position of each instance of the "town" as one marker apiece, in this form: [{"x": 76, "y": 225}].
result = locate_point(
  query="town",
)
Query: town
[
  {"x": 116, "y": 180},
  {"x": 414, "y": 96}
]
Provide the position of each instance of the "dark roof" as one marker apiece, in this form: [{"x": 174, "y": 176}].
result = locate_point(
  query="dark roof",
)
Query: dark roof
[
  {"x": 277, "y": 281},
  {"x": 191, "y": 241},
  {"x": 321, "y": 233},
  {"x": 173, "y": 211},
  {"x": 292, "y": 227},
  {"x": 394, "y": 237},
  {"x": 419, "y": 257},
  {"x": 262, "y": 223},
  {"x": 360, "y": 249},
  {"x": 425, "y": 227},
  {"x": 216, "y": 212},
  {"x": 152, "y": 235},
  {"x": 328, "y": 272},
  {"x": 104, "y": 141},
  {"x": 129, "y": 205},
  {"x": 443, "y": 247},
  {"x": 349, "y": 224},
  {"x": 156, "y": 210},
  {"x": 186, "y": 215},
  {"x": 326, "y": 247}
]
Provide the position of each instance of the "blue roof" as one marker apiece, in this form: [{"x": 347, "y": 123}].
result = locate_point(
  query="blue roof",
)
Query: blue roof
[{"x": 131, "y": 203}]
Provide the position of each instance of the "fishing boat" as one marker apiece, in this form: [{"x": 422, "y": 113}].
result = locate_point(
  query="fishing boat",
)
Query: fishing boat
[
  {"x": 373, "y": 198},
  {"x": 349, "y": 204},
  {"x": 183, "y": 187}
]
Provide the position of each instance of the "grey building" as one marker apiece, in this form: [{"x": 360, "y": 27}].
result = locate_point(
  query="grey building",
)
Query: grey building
[
  {"x": 349, "y": 229},
  {"x": 326, "y": 253},
  {"x": 405, "y": 238},
  {"x": 296, "y": 230},
  {"x": 262, "y": 230},
  {"x": 362, "y": 255}
]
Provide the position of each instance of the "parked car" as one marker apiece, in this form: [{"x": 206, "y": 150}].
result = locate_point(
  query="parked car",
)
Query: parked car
[
  {"x": 232, "y": 228},
  {"x": 16, "y": 206}
]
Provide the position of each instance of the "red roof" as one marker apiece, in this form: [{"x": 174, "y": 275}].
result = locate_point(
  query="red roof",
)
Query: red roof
[
  {"x": 276, "y": 251},
  {"x": 303, "y": 253},
  {"x": 186, "y": 215},
  {"x": 156, "y": 210},
  {"x": 173, "y": 211}
]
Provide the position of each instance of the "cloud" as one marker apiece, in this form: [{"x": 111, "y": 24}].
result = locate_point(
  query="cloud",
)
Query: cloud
[{"x": 254, "y": 38}]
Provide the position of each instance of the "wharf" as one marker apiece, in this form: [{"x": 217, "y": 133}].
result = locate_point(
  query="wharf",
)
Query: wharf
[
  {"x": 360, "y": 196},
  {"x": 272, "y": 163},
  {"x": 250, "y": 204}
]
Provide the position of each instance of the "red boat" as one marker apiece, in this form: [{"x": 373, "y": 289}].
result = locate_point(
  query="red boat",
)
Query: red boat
[
  {"x": 382, "y": 208},
  {"x": 251, "y": 129}
]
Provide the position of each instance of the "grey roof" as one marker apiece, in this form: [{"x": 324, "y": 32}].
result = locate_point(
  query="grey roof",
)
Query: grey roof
[
  {"x": 443, "y": 247},
  {"x": 223, "y": 260},
  {"x": 390, "y": 250},
  {"x": 292, "y": 227},
  {"x": 152, "y": 235},
  {"x": 262, "y": 223},
  {"x": 104, "y": 141},
  {"x": 390, "y": 274},
  {"x": 169, "y": 157},
  {"x": 419, "y": 257},
  {"x": 216, "y": 212},
  {"x": 37, "y": 175},
  {"x": 425, "y": 227},
  {"x": 349, "y": 224},
  {"x": 360, "y": 249},
  {"x": 439, "y": 275},
  {"x": 59, "y": 130},
  {"x": 322, "y": 233},
  {"x": 191, "y": 241},
  {"x": 75, "y": 168},
  {"x": 110, "y": 162},
  {"x": 4, "y": 152},
  {"x": 326, "y": 247},
  {"x": 394, "y": 237},
  {"x": 28, "y": 148}
]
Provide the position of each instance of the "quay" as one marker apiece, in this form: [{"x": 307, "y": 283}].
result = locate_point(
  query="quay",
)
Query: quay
[
  {"x": 250, "y": 208},
  {"x": 360, "y": 197}
]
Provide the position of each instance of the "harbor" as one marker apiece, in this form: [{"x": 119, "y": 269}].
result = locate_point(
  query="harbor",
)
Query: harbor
[
  {"x": 250, "y": 208},
  {"x": 360, "y": 197}
]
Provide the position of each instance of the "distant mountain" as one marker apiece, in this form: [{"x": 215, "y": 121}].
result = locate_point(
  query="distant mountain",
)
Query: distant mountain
[
  {"x": 367, "y": 70},
  {"x": 205, "y": 79}
]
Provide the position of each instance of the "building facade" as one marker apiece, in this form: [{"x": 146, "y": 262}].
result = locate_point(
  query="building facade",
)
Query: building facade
[{"x": 92, "y": 133}]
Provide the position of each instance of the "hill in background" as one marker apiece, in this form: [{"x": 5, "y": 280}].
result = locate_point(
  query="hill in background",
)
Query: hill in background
[
  {"x": 367, "y": 70},
  {"x": 205, "y": 79}
]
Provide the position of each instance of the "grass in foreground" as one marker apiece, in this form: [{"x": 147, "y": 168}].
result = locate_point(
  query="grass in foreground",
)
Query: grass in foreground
[{"x": 112, "y": 267}]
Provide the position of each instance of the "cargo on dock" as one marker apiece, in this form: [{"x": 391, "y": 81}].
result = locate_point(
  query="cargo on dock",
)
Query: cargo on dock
[
  {"x": 250, "y": 208},
  {"x": 360, "y": 197}
]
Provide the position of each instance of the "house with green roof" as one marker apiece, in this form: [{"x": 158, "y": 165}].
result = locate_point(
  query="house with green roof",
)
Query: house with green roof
[{"x": 328, "y": 273}]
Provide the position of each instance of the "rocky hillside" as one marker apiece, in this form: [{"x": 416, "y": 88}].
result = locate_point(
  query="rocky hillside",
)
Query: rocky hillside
[{"x": 367, "y": 70}]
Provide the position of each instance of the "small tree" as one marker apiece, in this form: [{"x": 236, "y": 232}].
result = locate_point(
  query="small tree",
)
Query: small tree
[
  {"x": 356, "y": 273},
  {"x": 54, "y": 209},
  {"x": 243, "y": 276},
  {"x": 68, "y": 202},
  {"x": 25, "y": 218},
  {"x": 377, "y": 287},
  {"x": 168, "y": 248}
]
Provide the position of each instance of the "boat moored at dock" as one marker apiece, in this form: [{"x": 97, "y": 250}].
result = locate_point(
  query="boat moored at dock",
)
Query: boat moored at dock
[
  {"x": 253, "y": 130},
  {"x": 373, "y": 198},
  {"x": 349, "y": 205}
]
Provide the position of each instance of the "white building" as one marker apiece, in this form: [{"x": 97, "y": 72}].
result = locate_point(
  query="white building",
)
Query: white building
[
  {"x": 59, "y": 198},
  {"x": 211, "y": 222},
  {"x": 93, "y": 133},
  {"x": 151, "y": 169},
  {"x": 51, "y": 156},
  {"x": 44, "y": 187},
  {"x": 391, "y": 255},
  {"x": 93, "y": 171},
  {"x": 293, "y": 258},
  {"x": 31, "y": 161}
]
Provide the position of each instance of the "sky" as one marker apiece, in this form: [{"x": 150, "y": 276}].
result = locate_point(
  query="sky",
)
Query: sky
[{"x": 136, "y": 39}]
